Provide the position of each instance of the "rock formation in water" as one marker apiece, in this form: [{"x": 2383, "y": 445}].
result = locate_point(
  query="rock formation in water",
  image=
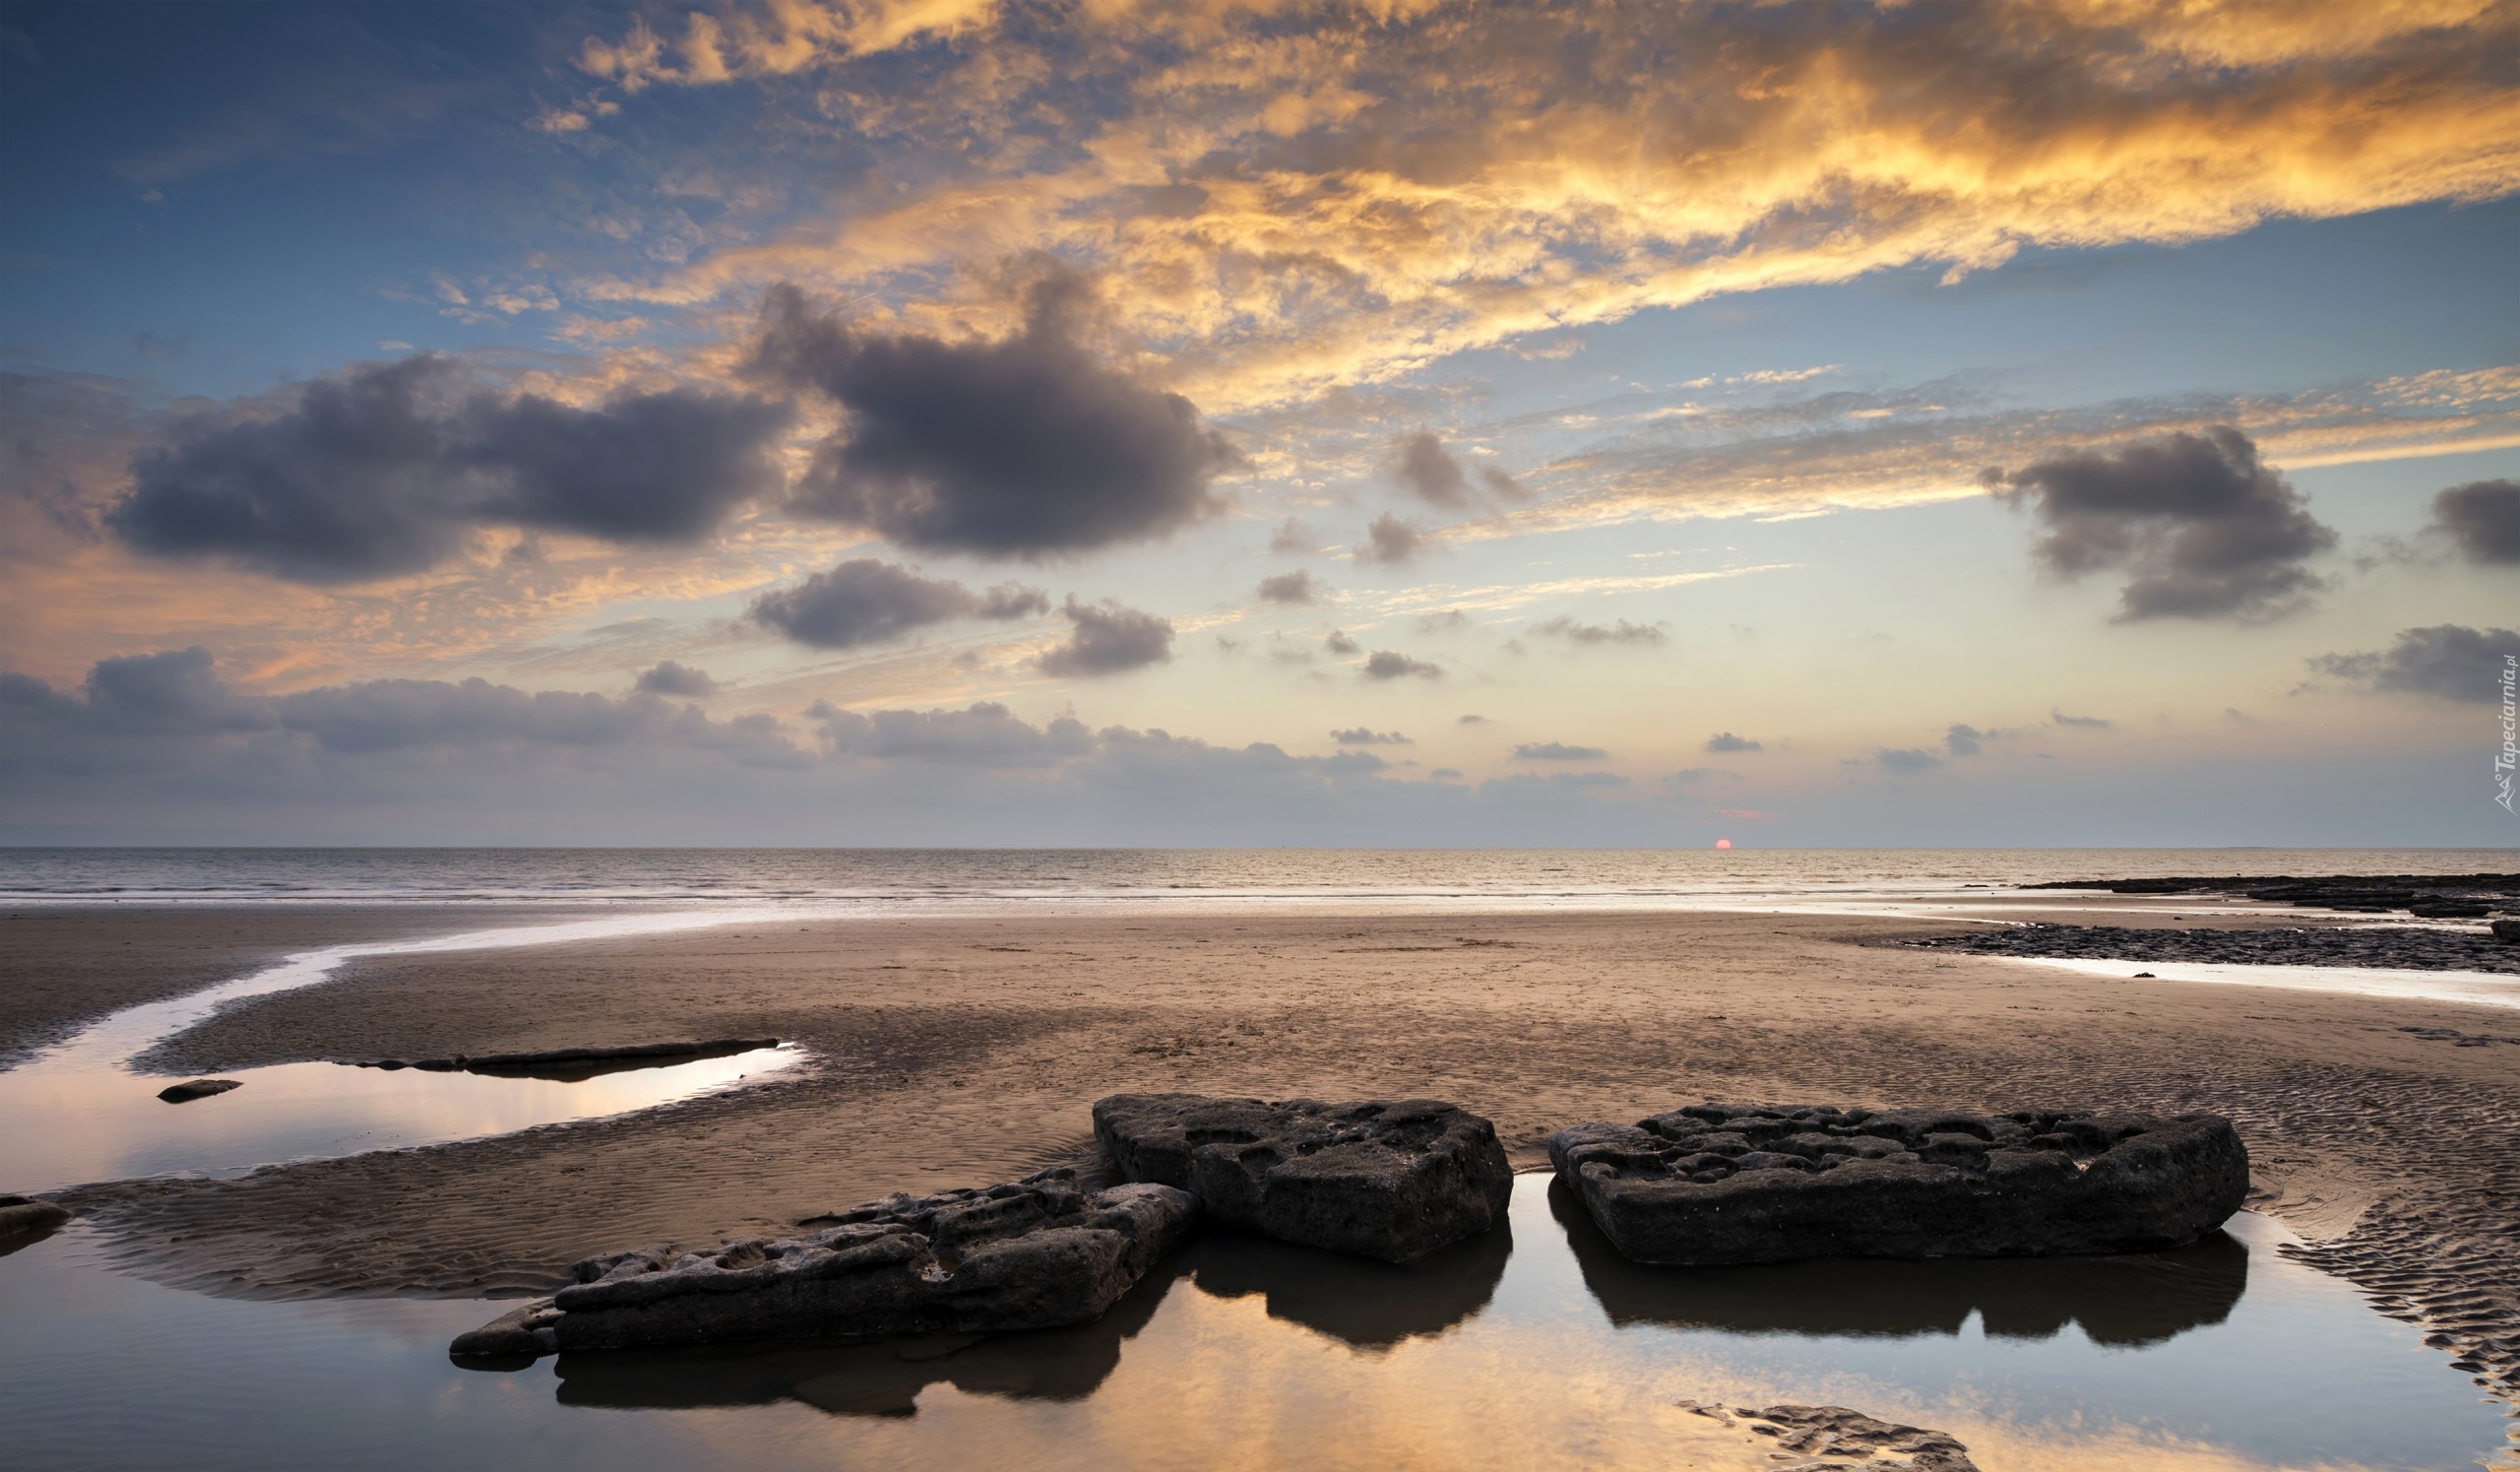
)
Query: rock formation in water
[
  {"x": 1028, "y": 1255},
  {"x": 1729, "y": 1183},
  {"x": 2429, "y": 896},
  {"x": 28, "y": 1219},
  {"x": 2404, "y": 947},
  {"x": 1387, "y": 1178},
  {"x": 197, "y": 1088},
  {"x": 1823, "y": 1435}
]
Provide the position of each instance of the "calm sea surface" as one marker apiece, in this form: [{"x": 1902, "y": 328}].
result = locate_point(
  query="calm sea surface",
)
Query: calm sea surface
[{"x": 914, "y": 877}]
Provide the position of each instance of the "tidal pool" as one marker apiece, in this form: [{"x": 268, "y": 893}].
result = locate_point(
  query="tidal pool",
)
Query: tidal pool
[{"x": 1535, "y": 1347}]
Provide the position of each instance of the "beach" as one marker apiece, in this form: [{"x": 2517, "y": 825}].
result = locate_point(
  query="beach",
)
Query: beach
[{"x": 957, "y": 1051}]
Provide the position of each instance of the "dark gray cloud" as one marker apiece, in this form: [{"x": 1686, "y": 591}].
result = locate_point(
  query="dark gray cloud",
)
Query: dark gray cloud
[
  {"x": 866, "y": 601},
  {"x": 1621, "y": 632},
  {"x": 1907, "y": 760},
  {"x": 1964, "y": 741},
  {"x": 1383, "y": 664},
  {"x": 1390, "y": 541},
  {"x": 169, "y": 692},
  {"x": 2447, "y": 661},
  {"x": 1300, "y": 589},
  {"x": 1361, "y": 735},
  {"x": 1422, "y": 465},
  {"x": 2086, "y": 723},
  {"x": 386, "y": 469},
  {"x": 2482, "y": 519},
  {"x": 2207, "y": 531},
  {"x": 1338, "y": 643},
  {"x": 1017, "y": 448},
  {"x": 1556, "y": 751},
  {"x": 987, "y": 735},
  {"x": 1108, "y": 639},
  {"x": 670, "y": 678},
  {"x": 1725, "y": 741}
]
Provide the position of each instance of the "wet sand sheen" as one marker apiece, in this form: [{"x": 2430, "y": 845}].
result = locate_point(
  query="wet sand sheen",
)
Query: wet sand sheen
[{"x": 958, "y": 1052}]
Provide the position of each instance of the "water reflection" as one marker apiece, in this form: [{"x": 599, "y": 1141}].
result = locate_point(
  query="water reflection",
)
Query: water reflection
[
  {"x": 2124, "y": 1300},
  {"x": 1369, "y": 1305}
]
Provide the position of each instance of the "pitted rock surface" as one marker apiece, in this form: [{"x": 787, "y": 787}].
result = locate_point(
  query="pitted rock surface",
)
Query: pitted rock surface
[
  {"x": 1028, "y": 1254},
  {"x": 1387, "y": 1178},
  {"x": 1733, "y": 1183}
]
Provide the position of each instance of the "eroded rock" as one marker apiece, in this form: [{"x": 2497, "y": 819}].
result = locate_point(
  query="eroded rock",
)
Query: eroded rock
[
  {"x": 1387, "y": 1178},
  {"x": 1723, "y": 1184},
  {"x": 1028, "y": 1254},
  {"x": 26, "y": 1220},
  {"x": 197, "y": 1088}
]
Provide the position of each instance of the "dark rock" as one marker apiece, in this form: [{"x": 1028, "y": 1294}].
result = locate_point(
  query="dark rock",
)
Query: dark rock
[
  {"x": 2508, "y": 931},
  {"x": 28, "y": 1220},
  {"x": 2120, "y": 1300},
  {"x": 574, "y": 1064},
  {"x": 2400, "y": 947},
  {"x": 1834, "y": 1432},
  {"x": 1723, "y": 1183},
  {"x": 1387, "y": 1178},
  {"x": 1034, "y": 1253},
  {"x": 197, "y": 1088}
]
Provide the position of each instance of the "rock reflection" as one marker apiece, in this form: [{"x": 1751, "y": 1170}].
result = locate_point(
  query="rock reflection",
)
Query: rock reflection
[
  {"x": 2131, "y": 1300},
  {"x": 1368, "y": 1303},
  {"x": 881, "y": 1379}
]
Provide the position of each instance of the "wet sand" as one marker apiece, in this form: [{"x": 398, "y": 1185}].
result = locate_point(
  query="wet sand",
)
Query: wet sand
[{"x": 960, "y": 1052}]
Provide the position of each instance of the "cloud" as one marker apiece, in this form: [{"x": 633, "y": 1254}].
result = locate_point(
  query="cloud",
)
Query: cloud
[
  {"x": 2482, "y": 519},
  {"x": 2086, "y": 723},
  {"x": 1300, "y": 589},
  {"x": 1292, "y": 537},
  {"x": 2447, "y": 660},
  {"x": 1906, "y": 761},
  {"x": 1964, "y": 741},
  {"x": 1359, "y": 736},
  {"x": 1423, "y": 466},
  {"x": 1338, "y": 643},
  {"x": 865, "y": 601},
  {"x": 1016, "y": 448},
  {"x": 1725, "y": 741},
  {"x": 987, "y": 735},
  {"x": 2207, "y": 529},
  {"x": 1108, "y": 639},
  {"x": 1383, "y": 664},
  {"x": 1391, "y": 541},
  {"x": 670, "y": 678},
  {"x": 1621, "y": 632},
  {"x": 386, "y": 469},
  {"x": 1471, "y": 721},
  {"x": 1556, "y": 751},
  {"x": 173, "y": 691}
]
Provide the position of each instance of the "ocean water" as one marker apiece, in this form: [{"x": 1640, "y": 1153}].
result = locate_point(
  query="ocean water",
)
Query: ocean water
[{"x": 894, "y": 879}]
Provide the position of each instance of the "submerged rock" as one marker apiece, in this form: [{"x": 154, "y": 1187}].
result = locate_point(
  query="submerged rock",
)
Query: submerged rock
[
  {"x": 27, "y": 1219},
  {"x": 197, "y": 1088},
  {"x": 1387, "y": 1178},
  {"x": 1833, "y": 1432},
  {"x": 1730, "y": 1183},
  {"x": 1028, "y": 1255}
]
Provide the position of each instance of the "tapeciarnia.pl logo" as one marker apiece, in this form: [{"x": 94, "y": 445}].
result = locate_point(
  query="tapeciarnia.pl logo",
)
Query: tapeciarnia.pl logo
[{"x": 2510, "y": 756}]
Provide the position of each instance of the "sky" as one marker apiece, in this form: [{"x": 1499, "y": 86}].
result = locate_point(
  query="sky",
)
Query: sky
[{"x": 955, "y": 423}]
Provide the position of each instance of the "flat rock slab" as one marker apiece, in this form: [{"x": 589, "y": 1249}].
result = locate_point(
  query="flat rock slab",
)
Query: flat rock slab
[
  {"x": 1028, "y": 1255},
  {"x": 1723, "y": 1183},
  {"x": 197, "y": 1088},
  {"x": 1387, "y": 1178}
]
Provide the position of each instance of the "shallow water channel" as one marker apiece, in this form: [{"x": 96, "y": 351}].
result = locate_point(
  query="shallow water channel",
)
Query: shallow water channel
[{"x": 1534, "y": 1347}]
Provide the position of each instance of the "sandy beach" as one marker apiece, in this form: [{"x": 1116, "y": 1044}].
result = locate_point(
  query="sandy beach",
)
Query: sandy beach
[{"x": 958, "y": 1052}]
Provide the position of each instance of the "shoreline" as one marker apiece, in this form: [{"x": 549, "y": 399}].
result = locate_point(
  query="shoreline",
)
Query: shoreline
[{"x": 958, "y": 1052}]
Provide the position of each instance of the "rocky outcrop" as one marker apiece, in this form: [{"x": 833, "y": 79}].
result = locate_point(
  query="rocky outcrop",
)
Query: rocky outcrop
[
  {"x": 197, "y": 1088},
  {"x": 2444, "y": 896},
  {"x": 2399, "y": 947},
  {"x": 1723, "y": 1183},
  {"x": 1028, "y": 1255},
  {"x": 27, "y": 1219},
  {"x": 1387, "y": 1178},
  {"x": 572, "y": 1064},
  {"x": 1833, "y": 1436}
]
